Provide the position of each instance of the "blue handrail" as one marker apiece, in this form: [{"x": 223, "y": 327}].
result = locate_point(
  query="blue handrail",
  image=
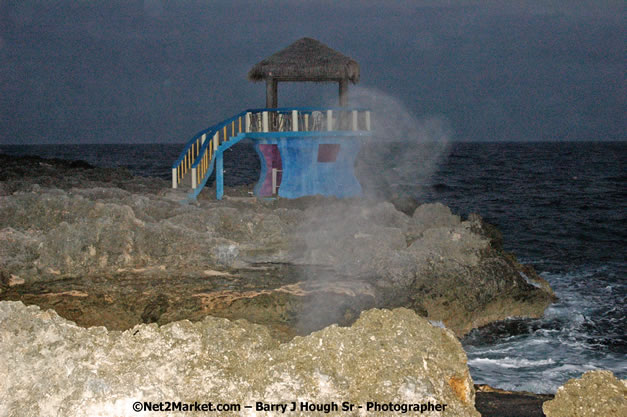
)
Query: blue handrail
[
  {"x": 212, "y": 129},
  {"x": 305, "y": 109}
]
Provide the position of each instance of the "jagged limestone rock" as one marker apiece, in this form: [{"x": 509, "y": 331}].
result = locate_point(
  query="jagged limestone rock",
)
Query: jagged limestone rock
[
  {"x": 49, "y": 366},
  {"x": 101, "y": 245},
  {"x": 596, "y": 393}
]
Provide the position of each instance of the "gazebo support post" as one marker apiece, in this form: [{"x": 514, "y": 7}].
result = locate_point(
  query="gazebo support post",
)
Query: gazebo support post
[
  {"x": 272, "y": 99},
  {"x": 343, "y": 92},
  {"x": 271, "y": 93}
]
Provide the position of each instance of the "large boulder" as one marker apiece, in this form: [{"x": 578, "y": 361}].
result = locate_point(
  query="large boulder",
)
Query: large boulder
[
  {"x": 596, "y": 393},
  {"x": 396, "y": 359}
]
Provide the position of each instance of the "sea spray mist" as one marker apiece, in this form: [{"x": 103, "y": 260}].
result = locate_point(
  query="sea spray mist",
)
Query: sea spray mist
[{"x": 398, "y": 160}]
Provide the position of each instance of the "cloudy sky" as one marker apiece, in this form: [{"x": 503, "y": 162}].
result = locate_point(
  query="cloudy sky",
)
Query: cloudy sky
[{"x": 128, "y": 71}]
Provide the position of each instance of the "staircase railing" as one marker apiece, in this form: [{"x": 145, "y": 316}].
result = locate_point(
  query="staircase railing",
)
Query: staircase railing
[
  {"x": 198, "y": 151},
  {"x": 203, "y": 152}
]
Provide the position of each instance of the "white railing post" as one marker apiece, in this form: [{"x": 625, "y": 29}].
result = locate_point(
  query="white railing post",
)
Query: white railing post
[
  {"x": 367, "y": 119},
  {"x": 203, "y": 138},
  {"x": 274, "y": 180},
  {"x": 329, "y": 119},
  {"x": 247, "y": 122},
  {"x": 216, "y": 142},
  {"x": 265, "y": 121},
  {"x": 279, "y": 121},
  {"x": 174, "y": 179},
  {"x": 355, "y": 120},
  {"x": 295, "y": 120},
  {"x": 194, "y": 179},
  {"x": 306, "y": 122}
]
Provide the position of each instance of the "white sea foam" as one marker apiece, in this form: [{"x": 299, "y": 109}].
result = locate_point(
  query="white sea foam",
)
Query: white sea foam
[
  {"x": 438, "y": 323},
  {"x": 508, "y": 362},
  {"x": 567, "y": 341},
  {"x": 528, "y": 280}
]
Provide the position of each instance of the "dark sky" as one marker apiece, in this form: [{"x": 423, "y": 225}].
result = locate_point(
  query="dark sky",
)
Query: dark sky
[{"x": 81, "y": 71}]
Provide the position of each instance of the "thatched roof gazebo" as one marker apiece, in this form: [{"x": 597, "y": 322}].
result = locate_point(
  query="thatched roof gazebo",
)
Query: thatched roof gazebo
[{"x": 305, "y": 60}]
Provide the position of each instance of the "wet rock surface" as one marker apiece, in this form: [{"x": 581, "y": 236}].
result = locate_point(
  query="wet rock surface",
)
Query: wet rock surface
[
  {"x": 491, "y": 402},
  {"x": 103, "y": 247},
  {"x": 596, "y": 393},
  {"x": 385, "y": 356}
]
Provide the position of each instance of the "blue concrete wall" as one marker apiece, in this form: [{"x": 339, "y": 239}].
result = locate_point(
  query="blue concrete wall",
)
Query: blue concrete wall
[{"x": 304, "y": 175}]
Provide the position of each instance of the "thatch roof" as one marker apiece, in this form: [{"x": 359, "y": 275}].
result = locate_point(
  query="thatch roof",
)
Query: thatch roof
[{"x": 306, "y": 60}]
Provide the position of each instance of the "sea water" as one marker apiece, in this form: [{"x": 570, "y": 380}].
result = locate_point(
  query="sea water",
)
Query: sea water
[{"x": 561, "y": 207}]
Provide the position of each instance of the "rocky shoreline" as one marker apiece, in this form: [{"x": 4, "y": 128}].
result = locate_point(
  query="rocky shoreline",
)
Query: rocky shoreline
[{"x": 102, "y": 247}]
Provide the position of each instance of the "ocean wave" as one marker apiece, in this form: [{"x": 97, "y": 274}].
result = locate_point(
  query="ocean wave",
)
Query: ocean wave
[{"x": 508, "y": 362}]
